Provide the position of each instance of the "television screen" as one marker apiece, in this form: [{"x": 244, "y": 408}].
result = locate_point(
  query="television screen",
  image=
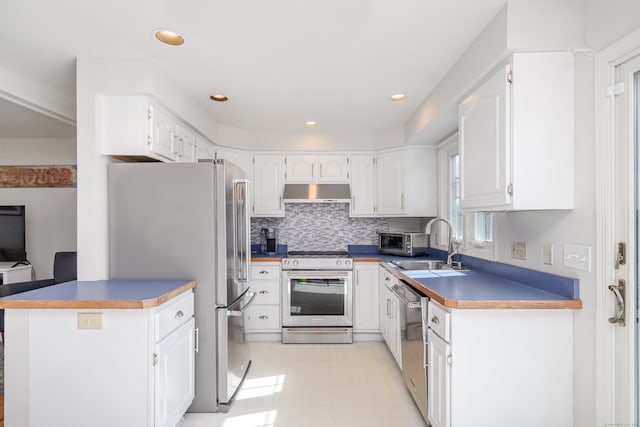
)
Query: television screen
[{"x": 12, "y": 233}]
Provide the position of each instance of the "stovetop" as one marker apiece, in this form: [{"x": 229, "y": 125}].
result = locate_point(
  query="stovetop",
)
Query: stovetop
[{"x": 318, "y": 254}]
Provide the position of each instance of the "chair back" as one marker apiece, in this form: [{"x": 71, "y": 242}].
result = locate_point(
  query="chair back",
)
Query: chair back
[{"x": 65, "y": 267}]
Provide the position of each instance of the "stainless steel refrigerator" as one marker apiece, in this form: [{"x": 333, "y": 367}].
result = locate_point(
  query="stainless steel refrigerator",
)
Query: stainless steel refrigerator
[{"x": 190, "y": 221}]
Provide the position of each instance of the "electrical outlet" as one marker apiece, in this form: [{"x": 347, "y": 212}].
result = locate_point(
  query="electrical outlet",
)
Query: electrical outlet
[
  {"x": 577, "y": 257},
  {"x": 519, "y": 250},
  {"x": 547, "y": 253},
  {"x": 89, "y": 320}
]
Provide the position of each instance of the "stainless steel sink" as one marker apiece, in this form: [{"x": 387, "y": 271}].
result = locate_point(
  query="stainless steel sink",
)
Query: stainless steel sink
[{"x": 421, "y": 265}]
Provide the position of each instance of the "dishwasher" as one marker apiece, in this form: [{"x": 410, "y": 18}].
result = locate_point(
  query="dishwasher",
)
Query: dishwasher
[{"x": 412, "y": 342}]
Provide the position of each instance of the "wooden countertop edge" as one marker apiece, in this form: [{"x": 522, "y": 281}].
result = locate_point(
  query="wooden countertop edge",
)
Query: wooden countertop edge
[
  {"x": 98, "y": 304},
  {"x": 266, "y": 259},
  {"x": 489, "y": 304}
]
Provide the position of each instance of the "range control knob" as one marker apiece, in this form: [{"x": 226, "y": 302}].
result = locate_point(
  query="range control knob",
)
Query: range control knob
[
  {"x": 295, "y": 263},
  {"x": 338, "y": 263},
  {"x": 347, "y": 263},
  {"x": 285, "y": 263}
]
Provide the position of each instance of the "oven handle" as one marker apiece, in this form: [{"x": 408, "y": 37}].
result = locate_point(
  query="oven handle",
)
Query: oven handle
[
  {"x": 317, "y": 331},
  {"x": 318, "y": 273}
]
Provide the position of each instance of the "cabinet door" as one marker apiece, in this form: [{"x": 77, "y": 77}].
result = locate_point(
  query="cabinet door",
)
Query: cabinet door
[
  {"x": 484, "y": 125},
  {"x": 163, "y": 132},
  {"x": 333, "y": 168},
  {"x": 185, "y": 148},
  {"x": 301, "y": 168},
  {"x": 390, "y": 174},
  {"x": 363, "y": 188},
  {"x": 438, "y": 381},
  {"x": 268, "y": 183},
  {"x": 395, "y": 326},
  {"x": 174, "y": 375},
  {"x": 366, "y": 298}
]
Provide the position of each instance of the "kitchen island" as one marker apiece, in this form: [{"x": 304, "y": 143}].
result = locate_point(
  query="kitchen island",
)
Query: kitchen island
[{"x": 100, "y": 353}]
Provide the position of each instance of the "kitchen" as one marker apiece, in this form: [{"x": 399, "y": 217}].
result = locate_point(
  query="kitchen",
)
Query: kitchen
[{"x": 602, "y": 25}]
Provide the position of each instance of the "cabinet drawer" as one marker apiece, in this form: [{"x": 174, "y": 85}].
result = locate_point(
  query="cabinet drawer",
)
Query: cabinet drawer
[
  {"x": 262, "y": 318},
  {"x": 439, "y": 320},
  {"x": 177, "y": 311},
  {"x": 265, "y": 272},
  {"x": 266, "y": 292}
]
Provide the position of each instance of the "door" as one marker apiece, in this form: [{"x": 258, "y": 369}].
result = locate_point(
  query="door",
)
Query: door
[
  {"x": 623, "y": 327},
  {"x": 439, "y": 381},
  {"x": 484, "y": 144},
  {"x": 174, "y": 375},
  {"x": 268, "y": 183},
  {"x": 233, "y": 355},
  {"x": 363, "y": 185}
]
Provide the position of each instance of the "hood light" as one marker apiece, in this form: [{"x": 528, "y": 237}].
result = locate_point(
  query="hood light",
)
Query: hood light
[
  {"x": 398, "y": 97},
  {"x": 169, "y": 37},
  {"x": 310, "y": 124}
]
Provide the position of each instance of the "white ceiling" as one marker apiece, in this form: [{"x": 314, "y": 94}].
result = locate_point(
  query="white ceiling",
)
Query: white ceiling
[{"x": 280, "y": 62}]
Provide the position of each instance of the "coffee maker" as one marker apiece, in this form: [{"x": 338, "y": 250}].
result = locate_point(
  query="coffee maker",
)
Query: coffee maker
[{"x": 268, "y": 241}]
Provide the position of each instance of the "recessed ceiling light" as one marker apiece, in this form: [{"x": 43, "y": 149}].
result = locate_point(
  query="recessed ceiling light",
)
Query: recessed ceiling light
[
  {"x": 169, "y": 37},
  {"x": 218, "y": 97},
  {"x": 398, "y": 97},
  {"x": 310, "y": 124}
]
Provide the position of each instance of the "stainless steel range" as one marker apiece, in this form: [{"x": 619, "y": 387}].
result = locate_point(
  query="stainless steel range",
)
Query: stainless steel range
[{"x": 317, "y": 297}]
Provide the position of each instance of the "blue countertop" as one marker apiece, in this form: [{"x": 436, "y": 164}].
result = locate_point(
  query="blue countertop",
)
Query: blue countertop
[{"x": 100, "y": 294}]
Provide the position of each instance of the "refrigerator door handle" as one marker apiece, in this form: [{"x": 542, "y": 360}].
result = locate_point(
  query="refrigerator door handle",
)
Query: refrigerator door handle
[
  {"x": 241, "y": 229},
  {"x": 239, "y": 312}
]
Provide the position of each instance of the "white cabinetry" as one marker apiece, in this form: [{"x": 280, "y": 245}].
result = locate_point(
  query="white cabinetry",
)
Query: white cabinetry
[
  {"x": 137, "y": 128},
  {"x": 240, "y": 158},
  {"x": 390, "y": 314},
  {"x": 516, "y": 136},
  {"x": 310, "y": 168},
  {"x": 268, "y": 184},
  {"x": 478, "y": 358},
  {"x": 406, "y": 182},
  {"x": 366, "y": 316},
  {"x": 263, "y": 316},
  {"x": 363, "y": 185},
  {"x": 129, "y": 367}
]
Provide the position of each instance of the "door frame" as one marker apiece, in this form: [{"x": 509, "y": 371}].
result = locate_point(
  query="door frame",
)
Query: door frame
[{"x": 606, "y": 62}]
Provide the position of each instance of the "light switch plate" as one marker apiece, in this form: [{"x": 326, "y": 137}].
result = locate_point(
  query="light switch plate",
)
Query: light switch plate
[
  {"x": 577, "y": 257},
  {"x": 547, "y": 253},
  {"x": 519, "y": 250}
]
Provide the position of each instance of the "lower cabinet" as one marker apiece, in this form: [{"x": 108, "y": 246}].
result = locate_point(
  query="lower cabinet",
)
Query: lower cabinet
[
  {"x": 390, "y": 314},
  {"x": 499, "y": 368},
  {"x": 100, "y": 367},
  {"x": 365, "y": 303},
  {"x": 263, "y": 315}
]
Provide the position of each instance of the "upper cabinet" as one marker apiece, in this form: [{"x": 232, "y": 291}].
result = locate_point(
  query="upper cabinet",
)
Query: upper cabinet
[
  {"x": 268, "y": 184},
  {"x": 406, "y": 182},
  {"x": 363, "y": 185},
  {"x": 137, "y": 128},
  {"x": 516, "y": 136},
  {"x": 309, "y": 168}
]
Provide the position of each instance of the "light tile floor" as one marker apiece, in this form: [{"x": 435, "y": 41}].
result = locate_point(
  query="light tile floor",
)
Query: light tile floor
[{"x": 318, "y": 385}]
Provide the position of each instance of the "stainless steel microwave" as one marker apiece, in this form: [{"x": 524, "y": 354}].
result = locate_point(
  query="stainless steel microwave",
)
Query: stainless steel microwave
[{"x": 402, "y": 243}]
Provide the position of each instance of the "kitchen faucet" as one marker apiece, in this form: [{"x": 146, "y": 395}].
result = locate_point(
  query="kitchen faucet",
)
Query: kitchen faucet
[{"x": 451, "y": 251}]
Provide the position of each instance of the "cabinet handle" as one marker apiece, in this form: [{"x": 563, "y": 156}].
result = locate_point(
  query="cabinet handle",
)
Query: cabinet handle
[
  {"x": 264, "y": 272},
  {"x": 179, "y": 314},
  {"x": 387, "y": 278},
  {"x": 263, "y": 317},
  {"x": 155, "y": 359},
  {"x": 196, "y": 347},
  {"x": 449, "y": 360},
  {"x": 435, "y": 320},
  {"x": 264, "y": 292},
  {"x": 425, "y": 357}
]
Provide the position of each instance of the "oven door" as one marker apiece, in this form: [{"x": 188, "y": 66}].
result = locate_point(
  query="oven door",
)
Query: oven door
[{"x": 317, "y": 298}]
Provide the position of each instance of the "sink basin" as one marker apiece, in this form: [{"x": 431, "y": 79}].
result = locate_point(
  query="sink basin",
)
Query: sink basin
[{"x": 421, "y": 265}]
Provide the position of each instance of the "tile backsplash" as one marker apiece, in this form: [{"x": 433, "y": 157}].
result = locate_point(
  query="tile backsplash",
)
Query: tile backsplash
[
  {"x": 320, "y": 226},
  {"x": 327, "y": 226}
]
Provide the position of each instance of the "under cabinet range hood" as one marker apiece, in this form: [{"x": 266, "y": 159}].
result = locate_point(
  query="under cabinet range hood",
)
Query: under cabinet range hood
[{"x": 317, "y": 193}]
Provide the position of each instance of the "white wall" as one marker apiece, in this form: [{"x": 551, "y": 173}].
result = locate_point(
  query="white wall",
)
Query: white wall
[{"x": 50, "y": 212}]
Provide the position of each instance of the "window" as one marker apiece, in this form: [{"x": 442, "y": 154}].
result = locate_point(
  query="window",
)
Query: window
[
  {"x": 455, "y": 214},
  {"x": 473, "y": 230}
]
